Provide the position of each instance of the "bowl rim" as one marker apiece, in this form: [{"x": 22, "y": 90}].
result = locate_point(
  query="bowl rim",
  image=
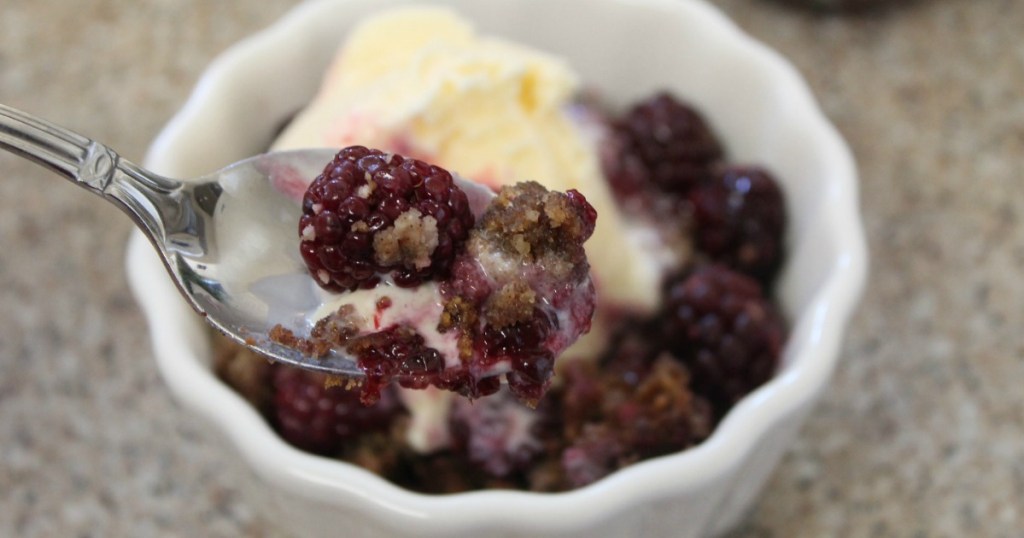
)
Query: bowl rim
[{"x": 828, "y": 313}]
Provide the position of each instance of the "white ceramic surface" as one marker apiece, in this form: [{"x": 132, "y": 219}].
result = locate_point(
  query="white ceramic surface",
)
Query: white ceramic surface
[{"x": 625, "y": 48}]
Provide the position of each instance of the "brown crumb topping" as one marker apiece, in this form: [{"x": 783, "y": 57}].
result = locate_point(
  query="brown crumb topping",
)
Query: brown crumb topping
[
  {"x": 333, "y": 331},
  {"x": 527, "y": 243},
  {"x": 460, "y": 315},
  {"x": 525, "y": 226},
  {"x": 528, "y": 223},
  {"x": 511, "y": 304},
  {"x": 409, "y": 242}
]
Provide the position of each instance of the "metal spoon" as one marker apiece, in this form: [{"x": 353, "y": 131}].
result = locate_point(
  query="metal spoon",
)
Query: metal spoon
[{"x": 181, "y": 219}]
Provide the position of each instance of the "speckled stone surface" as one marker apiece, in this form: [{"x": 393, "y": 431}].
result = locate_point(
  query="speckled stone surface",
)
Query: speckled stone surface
[{"x": 921, "y": 433}]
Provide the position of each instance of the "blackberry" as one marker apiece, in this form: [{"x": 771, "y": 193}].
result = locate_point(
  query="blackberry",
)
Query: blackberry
[
  {"x": 739, "y": 220},
  {"x": 668, "y": 140},
  {"x": 720, "y": 325},
  {"x": 397, "y": 352},
  {"x": 371, "y": 213},
  {"x": 525, "y": 345},
  {"x": 318, "y": 418},
  {"x": 632, "y": 349}
]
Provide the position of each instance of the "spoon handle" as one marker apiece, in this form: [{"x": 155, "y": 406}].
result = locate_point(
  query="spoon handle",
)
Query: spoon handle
[
  {"x": 148, "y": 198},
  {"x": 70, "y": 154}
]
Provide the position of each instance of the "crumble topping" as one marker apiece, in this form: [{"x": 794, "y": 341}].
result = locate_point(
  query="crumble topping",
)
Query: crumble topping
[
  {"x": 333, "y": 331},
  {"x": 512, "y": 303},
  {"x": 529, "y": 224},
  {"x": 409, "y": 242},
  {"x": 527, "y": 244}
]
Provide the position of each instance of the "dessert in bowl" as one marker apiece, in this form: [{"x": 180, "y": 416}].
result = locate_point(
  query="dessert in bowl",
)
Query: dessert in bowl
[{"x": 762, "y": 112}]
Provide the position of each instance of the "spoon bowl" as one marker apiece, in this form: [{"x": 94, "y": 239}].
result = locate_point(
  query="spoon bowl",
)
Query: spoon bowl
[{"x": 222, "y": 237}]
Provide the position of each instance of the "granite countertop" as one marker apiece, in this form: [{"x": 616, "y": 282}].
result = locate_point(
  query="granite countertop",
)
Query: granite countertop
[{"x": 920, "y": 434}]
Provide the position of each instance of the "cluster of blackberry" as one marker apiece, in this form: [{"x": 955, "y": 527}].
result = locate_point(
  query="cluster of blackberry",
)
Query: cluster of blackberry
[
  {"x": 662, "y": 383},
  {"x": 665, "y": 151},
  {"x": 666, "y": 380}
]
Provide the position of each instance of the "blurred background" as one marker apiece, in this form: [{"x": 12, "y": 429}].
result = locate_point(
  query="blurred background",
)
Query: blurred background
[{"x": 920, "y": 434}]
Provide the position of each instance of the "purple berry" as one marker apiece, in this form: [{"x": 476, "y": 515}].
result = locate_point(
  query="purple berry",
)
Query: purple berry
[
  {"x": 371, "y": 213},
  {"x": 739, "y": 219},
  {"x": 320, "y": 419},
  {"x": 726, "y": 332},
  {"x": 667, "y": 141}
]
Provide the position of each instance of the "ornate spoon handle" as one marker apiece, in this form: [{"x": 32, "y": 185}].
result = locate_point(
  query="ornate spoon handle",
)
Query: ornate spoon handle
[{"x": 148, "y": 198}]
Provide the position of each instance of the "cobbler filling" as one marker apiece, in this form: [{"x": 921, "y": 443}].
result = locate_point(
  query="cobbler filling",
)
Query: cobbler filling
[
  {"x": 512, "y": 287},
  {"x": 659, "y": 385}
]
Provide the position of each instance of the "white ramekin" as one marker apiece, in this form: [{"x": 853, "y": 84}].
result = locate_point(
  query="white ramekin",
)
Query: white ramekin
[{"x": 626, "y": 49}]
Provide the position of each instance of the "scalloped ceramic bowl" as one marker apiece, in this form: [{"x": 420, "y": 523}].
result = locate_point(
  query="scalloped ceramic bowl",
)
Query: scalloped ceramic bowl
[{"x": 754, "y": 99}]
